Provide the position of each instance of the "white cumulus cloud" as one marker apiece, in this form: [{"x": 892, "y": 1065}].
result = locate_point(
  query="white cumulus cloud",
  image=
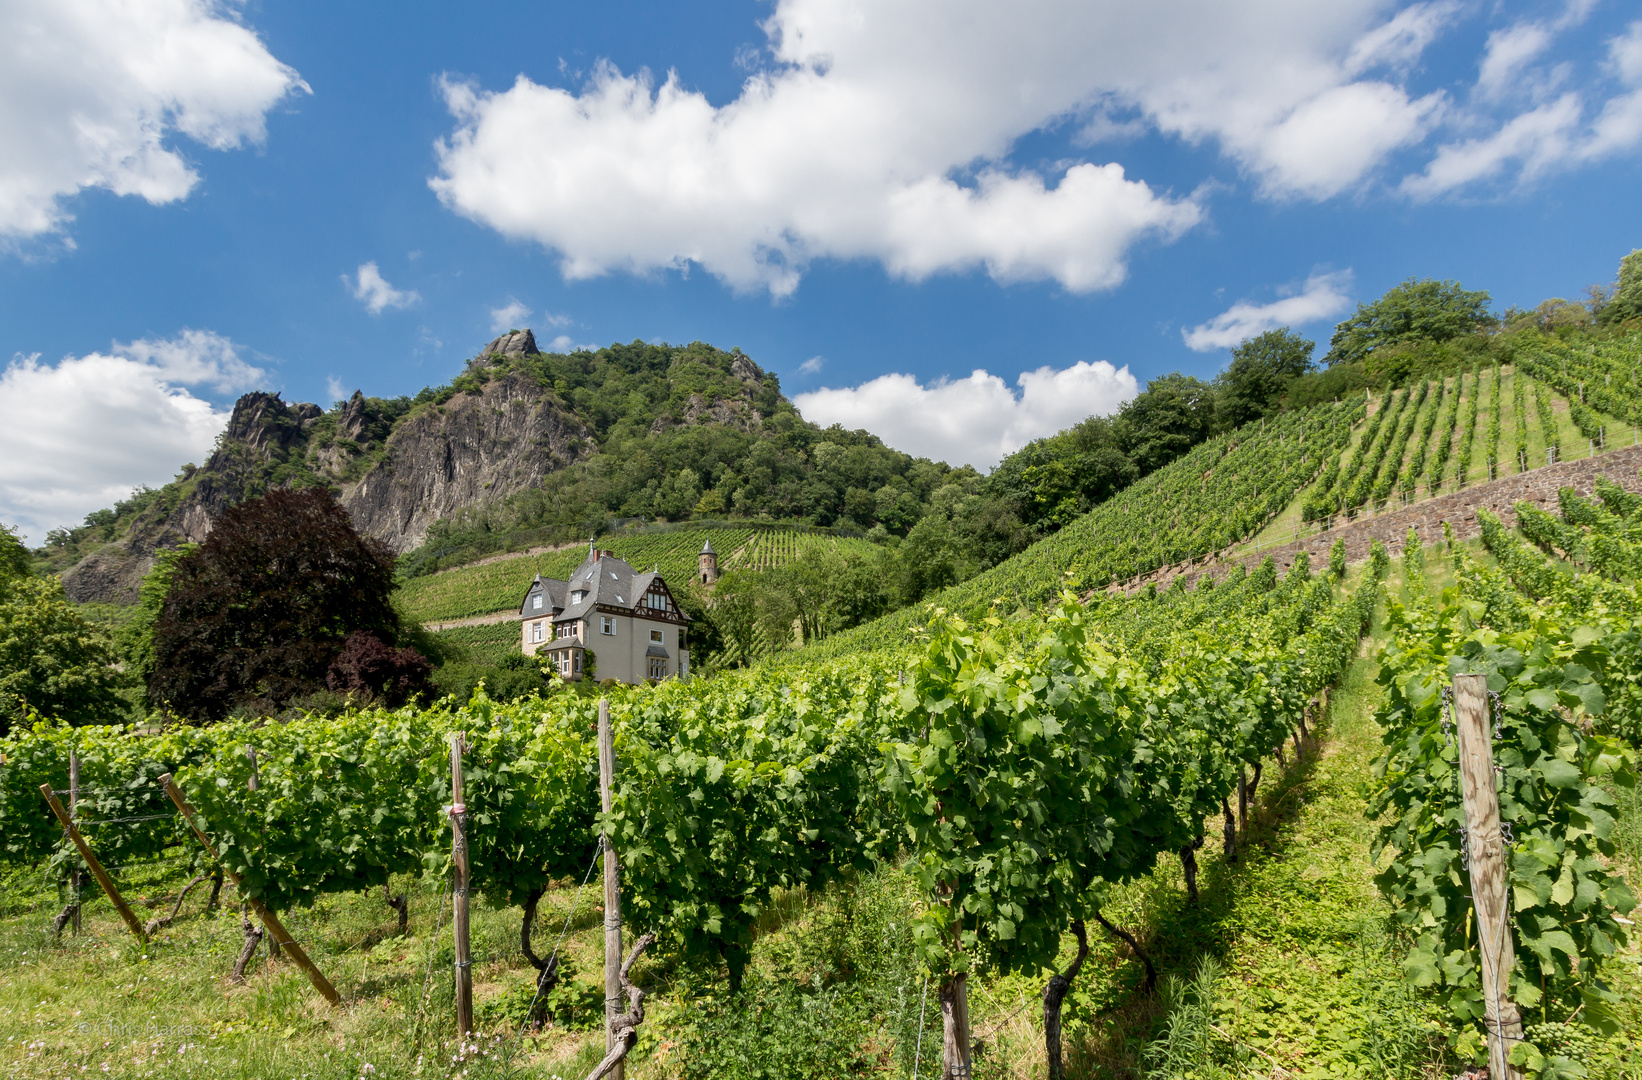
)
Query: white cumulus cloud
[
  {"x": 1509, "y": 51},
  {"x": 80, "y": 434},
  {"x": 371, "y": 288},
  {"x": 1323, "y": 297},
  {"x": 973, "y": 421},
  {"x": 883, "y": 132},
  {"x": 1554, "y": 134},
  {"x": 510, "y": 316},
  {"x": 1532, "y": 143},
  {"x": 92, "y": 91},
  {"x": 564, "y": 343}
]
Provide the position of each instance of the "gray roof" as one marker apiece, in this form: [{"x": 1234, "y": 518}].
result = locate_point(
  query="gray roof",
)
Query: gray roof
[
  {"x": 553, "y": 595},
  {"x": 606, "y": 581},
  {"x": 707, "y": 548},
  {"x": 656, "y": 650}
]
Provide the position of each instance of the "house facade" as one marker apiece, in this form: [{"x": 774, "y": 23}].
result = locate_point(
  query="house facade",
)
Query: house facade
[{"x": 608, "y": 621}]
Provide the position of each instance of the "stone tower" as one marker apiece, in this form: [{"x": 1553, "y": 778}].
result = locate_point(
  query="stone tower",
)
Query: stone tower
[{"x": 709, "y": 563}]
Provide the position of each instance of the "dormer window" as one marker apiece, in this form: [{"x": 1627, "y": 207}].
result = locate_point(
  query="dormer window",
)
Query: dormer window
[
  {"x": 578, "y": 596},
  {"x": 536, "y": 601}
]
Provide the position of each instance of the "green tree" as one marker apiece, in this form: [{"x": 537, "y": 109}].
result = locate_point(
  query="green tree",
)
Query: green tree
[
  {"x": 1627, "y": 293},
  {"x": 1174, "y": 414},
  {"x": 136, "y": 638},
  {"x": 1415, "y": 311},
  {"x": 14, "y": 557},
  {"x": 1261, "y": 371},
  {"x": 52, "y": 662},
  {"x": 256, "y": 615},
  {"x": 734, "y": 613}
]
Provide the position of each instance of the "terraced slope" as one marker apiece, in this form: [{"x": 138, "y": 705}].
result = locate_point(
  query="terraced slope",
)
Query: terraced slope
[
  {"x": 1222, "y": 491},
  {"x": 494, "y": 586}
]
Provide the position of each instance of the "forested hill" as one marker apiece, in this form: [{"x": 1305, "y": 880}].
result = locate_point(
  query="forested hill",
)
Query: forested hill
[{"x": 523, "y": 447}]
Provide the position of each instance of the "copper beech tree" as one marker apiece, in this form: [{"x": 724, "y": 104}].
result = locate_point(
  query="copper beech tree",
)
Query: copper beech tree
[{"x": 260, "y": 613}]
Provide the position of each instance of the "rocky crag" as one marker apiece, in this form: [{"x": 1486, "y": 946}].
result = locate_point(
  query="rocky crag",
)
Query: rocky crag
[{"x": 397, "y": 466}]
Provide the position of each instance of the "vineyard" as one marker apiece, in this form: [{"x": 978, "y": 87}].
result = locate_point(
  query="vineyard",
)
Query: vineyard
[
  {"x": 485, "y": 643},
  {"x": 1223, "y": 490},
  {"x": 1025, "y": 778},
  {"x": 1602, "y": 382},
  {"x": 1553, "y": 628},
  {"x": 1422, "y": 440},
  {"x": 736, "y": 789},
  {"x": 771, "y": 548},
  {"x": 497, "y": 586}
]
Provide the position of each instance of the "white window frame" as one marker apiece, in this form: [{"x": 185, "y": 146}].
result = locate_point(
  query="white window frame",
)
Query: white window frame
[
  {"x": 607, "y": 625},
  {"x": 536, "y": 601},
  {"x": 536, "y": 631},
  {"x": 658, "y": 636},
  {"x": 658, "y": 668}
]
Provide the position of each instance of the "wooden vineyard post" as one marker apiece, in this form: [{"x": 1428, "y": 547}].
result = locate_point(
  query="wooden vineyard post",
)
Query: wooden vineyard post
[
  {"x": 73, "y": 812},
  {"x": 97, "y": 870},
  {"x": 955, "y": 1044},
  {"x": 612, "y": 892},
  {"x": 251, "y": 783},
  {"x": 269, "y": 919},
  {"x": 1486, "y": 849},
  {"x": 459, "y": 917}
]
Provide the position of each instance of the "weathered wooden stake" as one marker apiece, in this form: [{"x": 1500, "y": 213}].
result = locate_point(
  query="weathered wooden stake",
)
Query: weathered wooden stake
[
  {"x": 73, "y": 812},
  {"x": 1487, "y": 858},
  {"x": 251, "y": 784},
  {"x": 97, "y": 870},
  {"x": 955, "y": 1046},
  {"x": 612, "y": 892},
  {"x": 275, "y": 928},
  {"x": 459, "y": 919}
]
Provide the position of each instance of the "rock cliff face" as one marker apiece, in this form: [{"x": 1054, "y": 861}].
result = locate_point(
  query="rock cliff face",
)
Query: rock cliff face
[
  {"x": 473, "y": 449},
  {"x": 263, "y": 433},
  {"x": 395, "y": 474}
]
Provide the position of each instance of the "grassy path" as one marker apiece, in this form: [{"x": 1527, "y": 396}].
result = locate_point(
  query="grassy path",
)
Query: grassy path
[{"x": 1301, "y": 980}]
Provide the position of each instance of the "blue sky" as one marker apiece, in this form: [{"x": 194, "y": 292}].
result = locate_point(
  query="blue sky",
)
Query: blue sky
[{"x": 875, "y": 201}]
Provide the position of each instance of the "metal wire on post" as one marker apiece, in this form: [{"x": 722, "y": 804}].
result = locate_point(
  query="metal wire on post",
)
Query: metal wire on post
[
  {"x": 598, "y": 850},
  {"x": 427, "y": 980}
]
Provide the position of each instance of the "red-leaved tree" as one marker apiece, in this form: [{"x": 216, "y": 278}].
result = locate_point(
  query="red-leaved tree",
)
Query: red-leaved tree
[
  {"x": 258, "y": 613},
  {"x": 369, "y": 667}
]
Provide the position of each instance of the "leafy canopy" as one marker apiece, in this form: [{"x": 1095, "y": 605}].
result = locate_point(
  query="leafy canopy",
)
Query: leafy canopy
[
  {"x": 1627, "y": 294},
  {"x": 1417, "y": 310},
  {"x": 1261, "y": 369},
  {"x": 257, "y": 615},
  {"x": 52, "y": 661}
]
